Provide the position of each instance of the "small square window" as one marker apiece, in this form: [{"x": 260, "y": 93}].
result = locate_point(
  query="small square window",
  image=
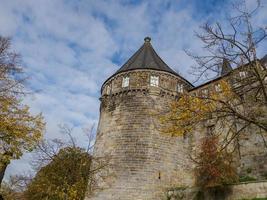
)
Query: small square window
[
  {"x": 243, "y": 74},
  {"x": 218, "y": 88},
  {"x": 180, "y": 88},
  {"x": 125, "y": 81},
  {"x": 154, "y": 81}
]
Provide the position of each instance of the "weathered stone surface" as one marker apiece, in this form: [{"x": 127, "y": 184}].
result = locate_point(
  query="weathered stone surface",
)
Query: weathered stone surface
[
  {"x": 248, "y": 190},
  {"x": 144, "y": 162}
]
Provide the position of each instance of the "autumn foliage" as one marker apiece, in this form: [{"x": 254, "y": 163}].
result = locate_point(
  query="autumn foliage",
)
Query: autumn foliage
[
  {"x": 65, "y": 177},
  {"x": 192, "y": 109},
  {"x": 214, "y": 167},
  {"x": 19, "y": 129}
]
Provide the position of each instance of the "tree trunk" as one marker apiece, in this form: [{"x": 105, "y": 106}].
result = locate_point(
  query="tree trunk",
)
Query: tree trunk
[{"x": 2, "y": 173}]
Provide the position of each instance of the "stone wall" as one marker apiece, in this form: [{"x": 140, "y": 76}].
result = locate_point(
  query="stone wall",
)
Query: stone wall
[
  {"x": 249, "y": 190},
  {"x": 143, "y": 162},
  {"x": 140, "y": 79},
  {"x": 251, "y": 154}
]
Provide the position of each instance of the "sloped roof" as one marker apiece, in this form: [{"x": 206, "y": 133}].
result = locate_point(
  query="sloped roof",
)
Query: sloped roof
[{"x": 146, "y": 58}]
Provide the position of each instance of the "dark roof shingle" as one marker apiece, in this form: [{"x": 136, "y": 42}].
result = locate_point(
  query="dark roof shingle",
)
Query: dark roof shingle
[{"x": 146, "y": 58}]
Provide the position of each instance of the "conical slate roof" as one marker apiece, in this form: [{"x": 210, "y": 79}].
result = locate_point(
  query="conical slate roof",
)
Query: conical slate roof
[{"x": 146, "y": 58}]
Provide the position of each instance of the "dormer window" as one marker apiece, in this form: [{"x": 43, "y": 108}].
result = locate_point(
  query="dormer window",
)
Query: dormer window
[
  {"x": 125, "y": 81},
  {"x": 180, "y": 88},
  {"x": 154, "y": 81},
  {"x": 218, "y": 88},
  {"x": 243, "y": 74}
]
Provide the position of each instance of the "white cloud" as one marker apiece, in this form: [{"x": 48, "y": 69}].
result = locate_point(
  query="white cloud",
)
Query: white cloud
[{"x": 68, "y": 48}]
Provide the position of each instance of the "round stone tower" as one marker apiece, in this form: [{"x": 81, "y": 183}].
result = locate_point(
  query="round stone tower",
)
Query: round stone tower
[{"x": 143, "y": 162}]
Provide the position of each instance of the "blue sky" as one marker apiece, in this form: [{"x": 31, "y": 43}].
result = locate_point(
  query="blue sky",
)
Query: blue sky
[{"x": 69, "y": 48}]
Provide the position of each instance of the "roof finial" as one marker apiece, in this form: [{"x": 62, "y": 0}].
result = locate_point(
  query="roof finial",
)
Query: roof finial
[{"x": 147, "y": 39}]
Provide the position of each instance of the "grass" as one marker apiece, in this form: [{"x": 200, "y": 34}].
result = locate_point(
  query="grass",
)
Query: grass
[{"x": 246, "y": 179}]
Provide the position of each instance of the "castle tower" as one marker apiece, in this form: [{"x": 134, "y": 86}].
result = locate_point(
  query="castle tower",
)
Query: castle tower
[{"x": 143, "y": 161}]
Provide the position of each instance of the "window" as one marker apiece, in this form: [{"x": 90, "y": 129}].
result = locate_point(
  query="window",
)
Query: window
[
  {"x": 108, "y": 90},
  {"x": 243, "y": 74},
  {"x": 205, "y": 92},
  {"x": 125, "y": 81},
  {"x": 210, "y": 130},
  {"x": 218, "y": 88},
  {"x": 154, "y": 81},
  {"x": 180, "y": 88}
]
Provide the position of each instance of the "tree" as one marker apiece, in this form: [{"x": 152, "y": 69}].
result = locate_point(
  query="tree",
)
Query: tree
[
  {"x": 19, "y": 129},
  {"x": 13, "y": 189},
  {"x": 236, "y": 100},
  {"x": 214, "y": 167},
  {"x": 64, "y": 170},
  {"x": 65, "y": 177},
  {"x": 225, "y": 109},
  {"x": 237, "y": 45}
]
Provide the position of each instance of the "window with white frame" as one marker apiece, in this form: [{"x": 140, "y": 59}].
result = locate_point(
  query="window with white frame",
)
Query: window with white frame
[
  {"x": 125, "y": 81},
  {"x": 243, "y": 74},
  {"x": 154, "y": 81},
  {"x": 218, "y": 87},
  {"x": 180, "y": 88}
]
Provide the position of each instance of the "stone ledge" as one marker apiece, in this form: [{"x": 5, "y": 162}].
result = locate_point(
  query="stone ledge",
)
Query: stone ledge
[{"x": 246, "y": 190}]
